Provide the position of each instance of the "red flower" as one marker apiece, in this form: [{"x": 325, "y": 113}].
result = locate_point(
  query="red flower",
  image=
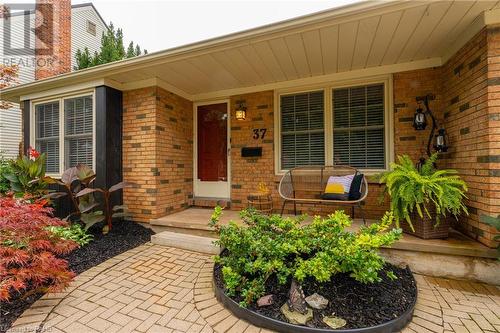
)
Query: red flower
[{"x": 33, "y": 153}]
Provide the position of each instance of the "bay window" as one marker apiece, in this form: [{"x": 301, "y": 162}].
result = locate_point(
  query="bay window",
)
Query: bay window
[
  {"x": 335, "y": 125},
  {"x": 65, "y": 134}
]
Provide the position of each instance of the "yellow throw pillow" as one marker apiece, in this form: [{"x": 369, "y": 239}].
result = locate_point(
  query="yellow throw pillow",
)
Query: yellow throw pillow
[{"x": 334, "y": 188}]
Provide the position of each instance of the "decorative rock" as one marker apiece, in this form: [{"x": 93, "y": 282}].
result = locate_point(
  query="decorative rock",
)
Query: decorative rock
[
  {"x": 296, "y": 299},
  {"x": 334, "y": 322},
  {"x": 265, "y": 300},
  {"x": 316, "y": 301},
  {"x": 295, "y": 317}
]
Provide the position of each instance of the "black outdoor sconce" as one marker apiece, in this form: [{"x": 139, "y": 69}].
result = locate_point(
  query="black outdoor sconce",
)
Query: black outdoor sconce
[
  {"x": 441, "y": 141},
  {"x": 241, "y": 110},
  {"x": 420, "y": 123}
]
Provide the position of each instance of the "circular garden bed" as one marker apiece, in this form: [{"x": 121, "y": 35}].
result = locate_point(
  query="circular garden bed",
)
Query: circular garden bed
[{"x": 382, "y": 307}]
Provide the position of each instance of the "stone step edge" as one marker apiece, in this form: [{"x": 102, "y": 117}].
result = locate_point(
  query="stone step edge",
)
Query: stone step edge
[{"x": 186, "y": 242}]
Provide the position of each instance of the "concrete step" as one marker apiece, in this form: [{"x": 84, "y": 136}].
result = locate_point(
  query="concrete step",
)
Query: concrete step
[
  {"x": 211, "y": 202},
  {"x": 186, "y": 242}
]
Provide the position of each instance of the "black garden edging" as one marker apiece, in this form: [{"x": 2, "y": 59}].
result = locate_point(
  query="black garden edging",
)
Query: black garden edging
[{"x": 260, "y": 320}]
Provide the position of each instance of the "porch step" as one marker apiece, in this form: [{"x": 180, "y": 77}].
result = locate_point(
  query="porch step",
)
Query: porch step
[
  {"x": 186, "y": 242},
  {"x": 207, "y": 202},
  {"x": 457, "y": 257},
  {"x": 193, "y": 221}
]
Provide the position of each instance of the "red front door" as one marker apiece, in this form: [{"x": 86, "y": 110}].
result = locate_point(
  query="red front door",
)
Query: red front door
[{"x": 212, "y": 142}]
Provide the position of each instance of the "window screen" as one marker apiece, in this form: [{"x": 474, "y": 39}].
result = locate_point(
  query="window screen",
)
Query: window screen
[
  {"x": 358, "y": 126},
  {"x": 78, "y": 131},
  {"x": 302, "y": 129},
  {"x": 47, "y": 134}
]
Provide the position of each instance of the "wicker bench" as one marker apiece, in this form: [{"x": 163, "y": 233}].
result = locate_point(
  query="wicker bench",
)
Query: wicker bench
[{"x": 306, "y": 184}]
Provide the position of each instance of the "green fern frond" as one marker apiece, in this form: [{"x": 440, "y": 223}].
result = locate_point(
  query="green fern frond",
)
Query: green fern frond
[{"x": 411, "y": 189}]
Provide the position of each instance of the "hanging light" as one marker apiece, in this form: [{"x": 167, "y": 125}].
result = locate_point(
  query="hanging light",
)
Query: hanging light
[
  {"x": 419, "y": 119},
  {"x": 241, "y": 110},
  {"x": 441, "y": 141}
]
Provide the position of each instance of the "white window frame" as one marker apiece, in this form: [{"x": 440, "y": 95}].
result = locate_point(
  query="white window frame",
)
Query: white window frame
[
  {"x": 327, "y": 89},
  {"x": 60, "y": 99}
]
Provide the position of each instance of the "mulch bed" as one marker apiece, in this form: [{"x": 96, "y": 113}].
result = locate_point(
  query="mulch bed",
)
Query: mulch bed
[
  {"x": 124, "y": 236},
  {"x": 361, "y": 305}
]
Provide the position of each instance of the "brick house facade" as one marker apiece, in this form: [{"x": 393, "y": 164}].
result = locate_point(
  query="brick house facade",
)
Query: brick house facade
[
  {"x": 158, "y": 140},
  {"x": 158, "y": 127}
]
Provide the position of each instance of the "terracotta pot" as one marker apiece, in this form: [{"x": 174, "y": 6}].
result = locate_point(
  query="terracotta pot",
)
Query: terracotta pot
[{"x": 424, "y": 227}]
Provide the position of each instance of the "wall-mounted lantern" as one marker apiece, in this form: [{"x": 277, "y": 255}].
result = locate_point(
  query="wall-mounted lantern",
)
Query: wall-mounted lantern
[
  {"x": 419, "y": 119},
  {"x": 241, "y": 110},
  {"x": 420, "y": 123},
  {"x": 441, "y": 141}
]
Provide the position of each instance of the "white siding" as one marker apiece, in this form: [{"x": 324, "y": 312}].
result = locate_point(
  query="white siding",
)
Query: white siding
[
  {"x": 80, "y": 37},
  {"x": 10, "y": 120}
]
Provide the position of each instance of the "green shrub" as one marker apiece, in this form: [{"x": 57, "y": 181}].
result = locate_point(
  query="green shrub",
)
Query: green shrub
[
  {"x": 494, "y": 222},
  {"x": 75, "y": 232},
  {"x": 272, "y": 245},
  {"x": 26, "y": 175},
  {"x": 422, "y": 189},
  {"x": 5, "y": 168}
]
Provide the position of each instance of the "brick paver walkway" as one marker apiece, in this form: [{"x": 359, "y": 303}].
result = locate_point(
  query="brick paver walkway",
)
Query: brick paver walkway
[{"x": 161, "y": 289}]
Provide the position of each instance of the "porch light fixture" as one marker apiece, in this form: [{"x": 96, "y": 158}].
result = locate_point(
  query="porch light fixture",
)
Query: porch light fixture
[
  {"x": 441, "y": 141},
  {"x": 419, "y": 119},
  {"x": 241, "y": 110},
  {"x": 420, "y": 123}
]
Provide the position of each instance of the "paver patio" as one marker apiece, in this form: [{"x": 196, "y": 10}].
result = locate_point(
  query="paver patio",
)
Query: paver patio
[{"x": 162, "y": 289}]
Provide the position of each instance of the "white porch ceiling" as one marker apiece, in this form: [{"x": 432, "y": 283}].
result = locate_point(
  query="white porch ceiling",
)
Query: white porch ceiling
[
  {"x": 421, "y": 32},
  {"x": 363, "y": 36}
]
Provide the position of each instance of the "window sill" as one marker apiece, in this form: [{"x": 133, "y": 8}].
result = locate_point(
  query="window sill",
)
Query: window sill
[{"x": 371, "y": 177}]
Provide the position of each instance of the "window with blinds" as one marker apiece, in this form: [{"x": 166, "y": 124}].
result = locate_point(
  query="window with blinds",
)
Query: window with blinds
[
  {"x": 47, "y": 134},
  {"x": 358, "y": 126},
  {"x": 78, "y": 131},
  {"x": 302, "y": 129}
]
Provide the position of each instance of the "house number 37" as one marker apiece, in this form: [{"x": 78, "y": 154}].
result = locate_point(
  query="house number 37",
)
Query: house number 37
[{"x": 259, "y": 133}]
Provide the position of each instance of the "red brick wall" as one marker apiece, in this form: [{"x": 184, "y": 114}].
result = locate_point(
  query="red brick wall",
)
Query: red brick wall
[
  {"x": 157, "y": 152},
  {"x": 53, "y": 42},
  {"x": 247, "y": 173},
  {"x": 470, "y": 95},
  {"x": 407, "y": 86}
]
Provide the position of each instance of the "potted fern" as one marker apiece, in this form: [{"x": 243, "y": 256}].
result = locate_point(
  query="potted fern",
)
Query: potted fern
[{"x": 422, "y": 198}]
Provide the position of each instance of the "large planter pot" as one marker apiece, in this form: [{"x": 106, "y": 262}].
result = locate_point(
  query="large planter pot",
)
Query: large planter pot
[{"x": 425, "y": 227}]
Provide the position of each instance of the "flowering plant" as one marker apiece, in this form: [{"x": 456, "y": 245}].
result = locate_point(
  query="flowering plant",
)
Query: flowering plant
[
  {"x": 33, "y": 153},
  {"x": 27, "y": 173}
]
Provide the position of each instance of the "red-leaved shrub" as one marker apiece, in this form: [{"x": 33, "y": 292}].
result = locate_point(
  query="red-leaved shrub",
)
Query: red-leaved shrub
[{"x": 28, "y": 252}]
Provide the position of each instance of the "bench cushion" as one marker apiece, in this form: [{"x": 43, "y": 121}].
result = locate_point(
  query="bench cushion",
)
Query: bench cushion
[{"x": 335, "y": 196}]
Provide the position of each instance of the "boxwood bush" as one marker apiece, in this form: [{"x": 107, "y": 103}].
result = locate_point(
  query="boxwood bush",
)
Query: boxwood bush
[{"x": 264, "y": 246}]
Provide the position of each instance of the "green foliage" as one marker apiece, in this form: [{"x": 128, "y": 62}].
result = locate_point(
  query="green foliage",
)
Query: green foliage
[
  {"x": 412, "y": 189},
  {"x": 112, "y": 49},
  {"x": 5, "y": 168},
  {"x": 75, "y": 232},
  {"x": 271, "y": 245},
  {"x": 26, "y": 175},
  {"x": 77, "y": 182},
  {"x": 494, "y": 222}
]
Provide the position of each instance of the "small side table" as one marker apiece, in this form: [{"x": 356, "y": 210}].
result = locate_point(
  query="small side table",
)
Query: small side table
[{"x": 261, "y": 202}]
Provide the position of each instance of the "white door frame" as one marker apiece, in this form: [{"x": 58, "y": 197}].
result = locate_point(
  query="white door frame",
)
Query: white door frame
[{"x": 217, "y": 189}]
